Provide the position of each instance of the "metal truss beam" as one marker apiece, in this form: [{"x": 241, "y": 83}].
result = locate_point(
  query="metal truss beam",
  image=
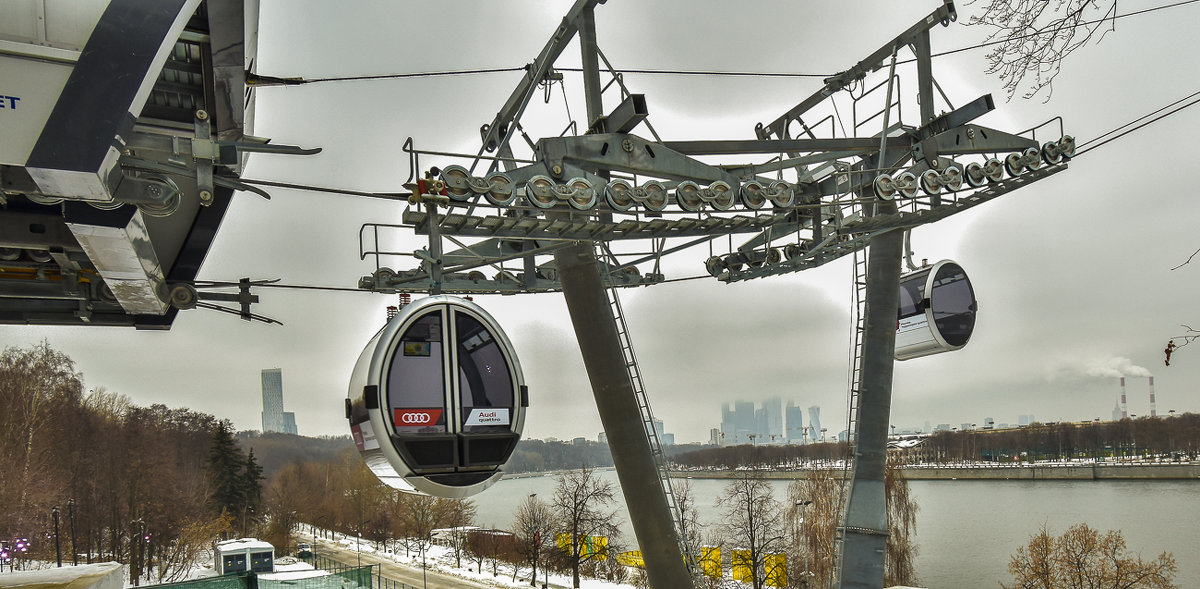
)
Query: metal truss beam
[
  {"x": 854, "y": 234},
  {"x": 778, "y": 128}
]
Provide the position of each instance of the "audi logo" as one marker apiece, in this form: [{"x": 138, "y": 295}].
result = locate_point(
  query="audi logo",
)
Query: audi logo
[{"x": 417, "y": 417}]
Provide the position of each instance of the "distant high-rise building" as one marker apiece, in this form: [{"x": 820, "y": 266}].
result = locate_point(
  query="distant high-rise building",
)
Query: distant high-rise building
[
  {"x": 274, "y": 418},
  {"x": 795, "y": 423},
  {"x": 728, "y": 426},
  {"x": 771, "y": 428},
  {"x": 602, "y": 438},
  {"x": 743, "y": 419},
  {"x": 714, "y": 437},
  {"x": 664, "y": 438},
  {"x": 989, "y": 423},
  {"x": 814, "y": 423}
]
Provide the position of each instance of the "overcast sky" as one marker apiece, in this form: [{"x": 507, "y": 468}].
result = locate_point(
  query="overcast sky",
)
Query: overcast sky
[{"x": 1073, "y": 273}]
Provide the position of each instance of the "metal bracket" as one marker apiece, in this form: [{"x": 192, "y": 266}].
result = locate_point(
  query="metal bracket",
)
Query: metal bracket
[{"x": 192, "y": 296}]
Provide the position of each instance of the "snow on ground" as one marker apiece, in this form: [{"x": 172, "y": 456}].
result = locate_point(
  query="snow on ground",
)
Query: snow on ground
[{"x": 441, "y": 559}]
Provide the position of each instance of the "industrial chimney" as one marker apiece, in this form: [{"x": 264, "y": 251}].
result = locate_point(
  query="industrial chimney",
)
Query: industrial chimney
[
  {"x": 1124, "y": 407},
  {"x": 1153, "y": 410}
]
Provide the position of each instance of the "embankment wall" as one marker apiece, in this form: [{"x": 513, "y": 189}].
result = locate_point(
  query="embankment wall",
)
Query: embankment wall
[{"x": 1085, "y": 472}]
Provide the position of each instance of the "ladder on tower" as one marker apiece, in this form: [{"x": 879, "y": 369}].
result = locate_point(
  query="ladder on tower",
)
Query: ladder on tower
[
  {"x": 854, "y": 378},
  {"x": 858, "y": 320},
  {"x": 660, "y": 460}
]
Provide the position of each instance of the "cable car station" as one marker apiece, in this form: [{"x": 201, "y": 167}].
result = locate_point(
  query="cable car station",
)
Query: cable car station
[{"x": 565, "y": 219}]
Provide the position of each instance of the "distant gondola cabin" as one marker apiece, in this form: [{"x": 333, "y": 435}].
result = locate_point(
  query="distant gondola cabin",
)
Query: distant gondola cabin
[{"x": 937, "y": 311}]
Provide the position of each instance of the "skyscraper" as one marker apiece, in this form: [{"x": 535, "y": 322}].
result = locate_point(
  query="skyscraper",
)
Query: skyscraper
[
  {"x": 728, "y": 426},
  {"x": 274, "y": 418},
  {"x": 814, "y": 423},
  {"x": 743, "y": 419},
  {"x": 772, "y": 424},
  {"x": 795, "y": 423}
]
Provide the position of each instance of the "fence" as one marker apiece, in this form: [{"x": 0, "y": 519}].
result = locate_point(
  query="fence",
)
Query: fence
[{"x": 338, "y": 567}]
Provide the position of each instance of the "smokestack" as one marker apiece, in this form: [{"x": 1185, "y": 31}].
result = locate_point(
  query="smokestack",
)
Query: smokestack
[
  {"x": 1124, "y": 407},
  {"x": 1153, "y": 410}
]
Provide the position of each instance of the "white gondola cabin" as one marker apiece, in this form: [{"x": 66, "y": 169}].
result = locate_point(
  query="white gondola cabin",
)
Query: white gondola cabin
[
  {"x": 437, "y": 399},
  {"x": 937, "y": 311}
]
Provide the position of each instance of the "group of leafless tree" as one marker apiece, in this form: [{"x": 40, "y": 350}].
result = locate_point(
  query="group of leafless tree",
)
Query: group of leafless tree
[
  {"x": 1176, "y": 437},
  {"x": 820, "y": 455},
  {"x": 793, "y": 543},
  {"x": 575, "y": 531},
  {"x": 1085, "y": 558},
  {"x": 131, "y": 484},
  {"x": 1161, "y": 438}
]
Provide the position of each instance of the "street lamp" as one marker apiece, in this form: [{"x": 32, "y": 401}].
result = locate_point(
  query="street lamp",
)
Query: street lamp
[
  {"x": 424, "y": 548},
  {"x": 57, "y": 548},
  {"x": 71, "y": 517},
  {"x": 801, "y": 504}
]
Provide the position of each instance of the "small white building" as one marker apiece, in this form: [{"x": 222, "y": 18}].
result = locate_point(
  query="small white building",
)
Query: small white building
[{"x": 244, "y": 555}]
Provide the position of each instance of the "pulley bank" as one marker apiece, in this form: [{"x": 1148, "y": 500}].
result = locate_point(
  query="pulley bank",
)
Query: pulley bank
[{"x": 1056, "y": 472}]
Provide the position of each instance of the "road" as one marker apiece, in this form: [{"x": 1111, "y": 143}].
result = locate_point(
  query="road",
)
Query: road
[{"x": 399, "y": 572}]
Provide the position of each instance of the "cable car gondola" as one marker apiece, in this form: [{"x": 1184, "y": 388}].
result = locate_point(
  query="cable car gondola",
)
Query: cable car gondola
[
  {"x": 435, "y": 418},
  {"x": 937, "y": 311}
]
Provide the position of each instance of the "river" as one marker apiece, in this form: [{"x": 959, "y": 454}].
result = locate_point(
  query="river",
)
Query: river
[{"x": 967, "y": 530}]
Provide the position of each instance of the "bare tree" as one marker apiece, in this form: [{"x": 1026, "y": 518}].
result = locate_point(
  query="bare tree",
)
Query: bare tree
[
  {"x": 685, "y": 500},
  {"x": 34, "y": 384},
  {"x": 1032, "y": 38},
  {"x": 901, "y": 517},
  {"x": 1084, "y": 558},
  {"x": 580, "y": 505},
  {"x": 812, "y": 516},
  {"x": 457, "y": 514},
  {"x": 487, "y": 545},
  {"x": 533, "y": 525},
  {"x": 420, "y": 515},
  {"x": 753, "y": 524},
  {"x": 812, "y": 521}
]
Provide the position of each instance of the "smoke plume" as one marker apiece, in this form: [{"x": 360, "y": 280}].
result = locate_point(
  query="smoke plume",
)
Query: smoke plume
[{"x": 1114, "y": 367}]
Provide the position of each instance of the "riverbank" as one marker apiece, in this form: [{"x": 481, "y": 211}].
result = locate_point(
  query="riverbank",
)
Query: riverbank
[{"x": 1023, "y": 472}]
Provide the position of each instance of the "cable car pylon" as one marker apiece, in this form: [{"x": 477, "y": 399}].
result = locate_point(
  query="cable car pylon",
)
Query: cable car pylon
[{"x": 660, "y": 459}]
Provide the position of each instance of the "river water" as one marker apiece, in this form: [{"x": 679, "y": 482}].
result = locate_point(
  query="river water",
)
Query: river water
[{"x": 967, "y": 530}]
